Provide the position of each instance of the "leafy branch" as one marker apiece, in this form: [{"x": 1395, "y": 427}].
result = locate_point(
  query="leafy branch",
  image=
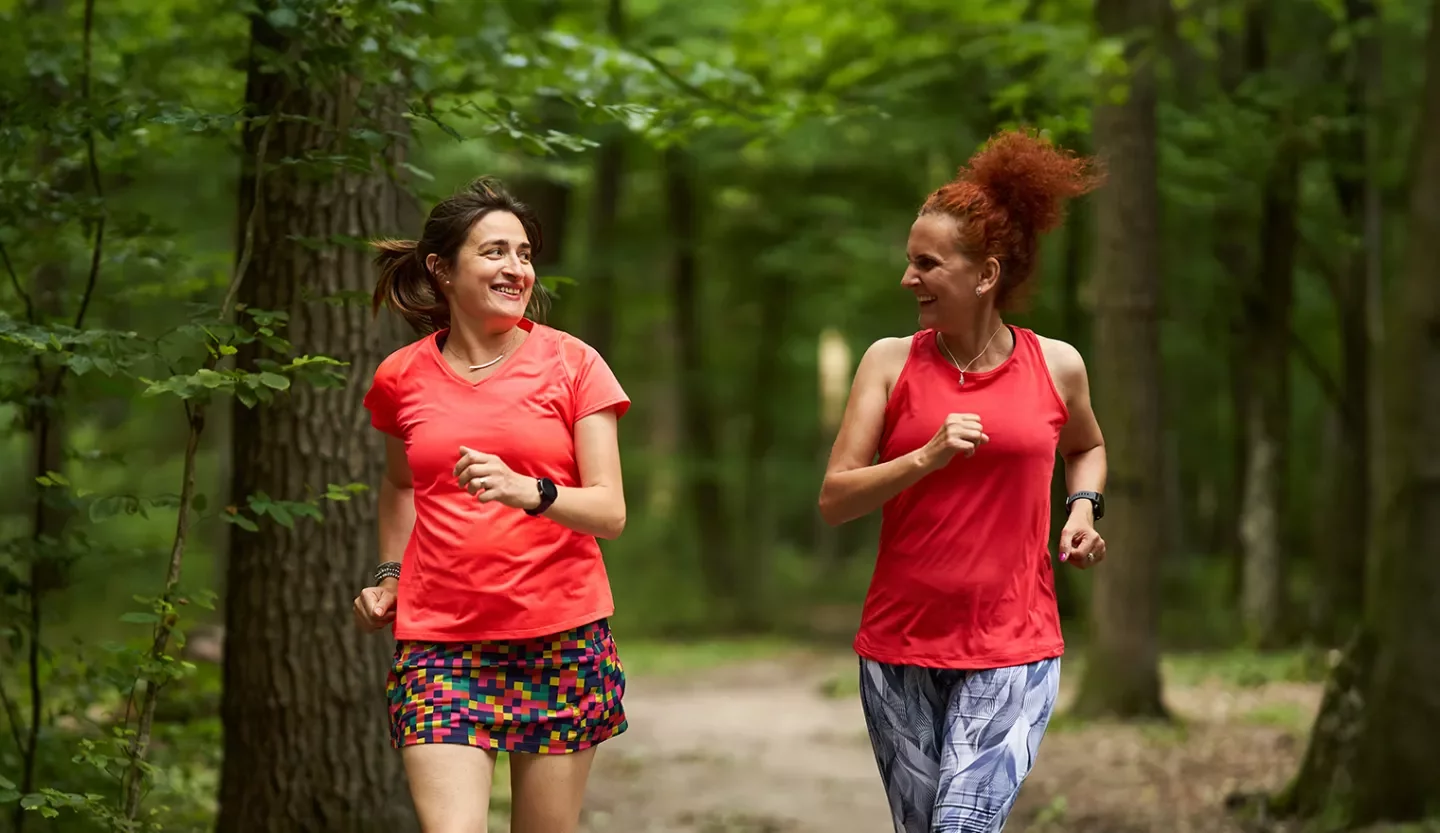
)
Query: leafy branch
[{"x": 195, "y": 411}]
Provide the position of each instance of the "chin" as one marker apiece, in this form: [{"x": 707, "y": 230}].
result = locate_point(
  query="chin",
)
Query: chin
[{"x": 927, "y": 317}]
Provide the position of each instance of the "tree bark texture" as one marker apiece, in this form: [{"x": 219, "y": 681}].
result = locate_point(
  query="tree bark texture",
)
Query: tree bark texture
[
  {"x": 1393, "y": 772},
  {"x": 1122, "y": 675},
  {"x": 1398, "y": 772},
  {"x": 306, "y": 745}
]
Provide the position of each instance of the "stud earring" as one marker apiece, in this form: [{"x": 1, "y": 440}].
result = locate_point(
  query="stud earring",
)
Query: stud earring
[{"x": 979, "y": 292}]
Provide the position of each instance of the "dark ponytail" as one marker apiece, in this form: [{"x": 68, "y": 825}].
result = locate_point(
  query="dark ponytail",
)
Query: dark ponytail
[{"x": 409, "y": 288}]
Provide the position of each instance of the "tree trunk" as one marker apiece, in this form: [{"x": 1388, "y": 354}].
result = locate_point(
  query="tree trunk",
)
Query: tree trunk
[
  {"x": 1398, "y": 772},
  {"x": 1241, "y": 55},
  {"x": 306, "y": 743},
  {"x": 752, "y": 563},
  {"x": 1393, "y": 771},
  {"x": 605, "y": 211},
  {"x": 697, "y": 415},
  {"x": 1346, "y": 509},
  {"x": 1122, "y": 675},
  {"x": 601, "y": 285},
  {"x": 1263, "y": 598}
]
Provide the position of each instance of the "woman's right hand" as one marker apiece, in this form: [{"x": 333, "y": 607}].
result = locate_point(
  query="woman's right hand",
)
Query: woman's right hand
[
  {"x": 375, "y": 606},
  {"x": 960, "y": 433}
]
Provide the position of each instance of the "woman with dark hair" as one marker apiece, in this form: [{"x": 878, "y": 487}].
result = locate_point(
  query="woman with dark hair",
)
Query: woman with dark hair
[
  {"x": 502, "y": 469},
  {"x": 952, "y": 432}
]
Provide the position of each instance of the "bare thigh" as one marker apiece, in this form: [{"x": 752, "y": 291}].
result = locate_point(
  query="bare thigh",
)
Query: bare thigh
[
  {"x": 450, "y": 785},
  {"x": 547, "y": 791}
]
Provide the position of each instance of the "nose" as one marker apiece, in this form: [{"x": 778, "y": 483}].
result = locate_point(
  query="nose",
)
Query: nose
[{"x": 909, "y": 280}]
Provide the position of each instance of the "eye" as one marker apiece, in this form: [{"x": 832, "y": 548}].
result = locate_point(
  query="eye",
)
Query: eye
[
  {"x": 525, "y": 257},
  {"x": 495, "y": 252}
]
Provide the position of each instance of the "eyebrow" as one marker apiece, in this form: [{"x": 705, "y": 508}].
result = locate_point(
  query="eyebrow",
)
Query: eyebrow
[{"x": 524, "y": 244}]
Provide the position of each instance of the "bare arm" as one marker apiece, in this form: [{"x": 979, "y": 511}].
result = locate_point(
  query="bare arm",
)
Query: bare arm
[
  {"x": 854, "y": 485},
  {"x": 1082, "y": 447},
  {"x": 595, "y": 507},
  {"x": 396, "y": 505}
]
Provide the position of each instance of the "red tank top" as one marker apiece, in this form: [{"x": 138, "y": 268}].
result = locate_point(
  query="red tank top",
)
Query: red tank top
[{"x": 964, "y": 577}]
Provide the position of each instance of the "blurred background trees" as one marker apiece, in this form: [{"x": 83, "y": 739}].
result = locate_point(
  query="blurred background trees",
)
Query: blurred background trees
[{"x": 726, "y": 189}]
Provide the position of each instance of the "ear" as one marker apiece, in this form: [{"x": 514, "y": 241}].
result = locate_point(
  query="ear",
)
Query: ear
[
  {"x": 989, "y": 276},
  {"x": 435, "y": 265}
]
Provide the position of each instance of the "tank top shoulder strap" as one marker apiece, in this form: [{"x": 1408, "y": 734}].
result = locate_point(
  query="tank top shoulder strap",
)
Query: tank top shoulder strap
[
  {"x": 1027, "y": 344},
  {"x": 921, "y": 347}
]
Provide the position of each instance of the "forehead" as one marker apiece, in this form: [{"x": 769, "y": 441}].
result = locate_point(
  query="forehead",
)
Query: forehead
[
  {"x": 934, "y": 232},
  {"x": 498, "y": 225}
]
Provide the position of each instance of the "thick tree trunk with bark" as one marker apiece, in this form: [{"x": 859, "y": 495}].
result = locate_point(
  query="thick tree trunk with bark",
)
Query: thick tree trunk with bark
[
  {"x": 306, "y": 746},
  {"x": 1391, "y": 771},
  {"x": 1267, "y": 406},
  {"x": 1122, "y": 676}
]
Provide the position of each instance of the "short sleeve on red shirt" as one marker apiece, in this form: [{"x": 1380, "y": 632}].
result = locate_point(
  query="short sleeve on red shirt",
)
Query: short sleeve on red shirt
[
  {"x": 594, "y": 386},
  {"x": 381, "y": 400}
]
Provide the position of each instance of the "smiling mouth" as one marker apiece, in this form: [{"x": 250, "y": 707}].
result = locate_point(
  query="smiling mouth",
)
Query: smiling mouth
[
  {"x": 925, "y": 299},
  {"x": 508, "y": 290}
]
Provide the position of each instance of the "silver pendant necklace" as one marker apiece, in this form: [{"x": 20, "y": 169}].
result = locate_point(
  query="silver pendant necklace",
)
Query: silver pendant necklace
[
  {"x": 493, "y": 361},
  {"x": 941, "y": 339}
]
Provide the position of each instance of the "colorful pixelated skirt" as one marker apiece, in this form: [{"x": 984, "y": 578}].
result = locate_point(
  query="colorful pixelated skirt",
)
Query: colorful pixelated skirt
[{"x": 551, "y": 694}]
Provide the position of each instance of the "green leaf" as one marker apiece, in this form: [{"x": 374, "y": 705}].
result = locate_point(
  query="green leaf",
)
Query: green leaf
[
  {"x": 282, "y": 18},
  {"x": 49, "y": 812},
  {"x": 228, "y": 349},
  {"x": 32, "y": 801},
  {"x": 137, "y": 617},
  {"x": 199, "y": 502},
  {"x": 281, "y": 515},
  {"x": 7, "y": 796},
  {"x": 6, "y": 783},
  {"x": 274, "y": 380}
]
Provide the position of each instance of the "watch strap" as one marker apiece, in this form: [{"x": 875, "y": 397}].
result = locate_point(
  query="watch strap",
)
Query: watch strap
[
  {"x": 548, "y": 493},
  {"x": 1095, "y": 498},
  {"x": 390, "y": 569}
]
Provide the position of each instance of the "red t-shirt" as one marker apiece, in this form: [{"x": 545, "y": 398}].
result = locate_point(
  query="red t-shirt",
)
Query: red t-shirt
[
  {"x": 964, "y": 578},
  {"x": 481, "y": 571}
]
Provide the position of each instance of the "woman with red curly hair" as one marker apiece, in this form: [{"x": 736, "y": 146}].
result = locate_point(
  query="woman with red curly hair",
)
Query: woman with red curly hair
[{"x": 952, "y": 433}]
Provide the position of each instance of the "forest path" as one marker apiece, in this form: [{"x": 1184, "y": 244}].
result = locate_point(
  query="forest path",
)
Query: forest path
[{"x": 778, "y": 745}]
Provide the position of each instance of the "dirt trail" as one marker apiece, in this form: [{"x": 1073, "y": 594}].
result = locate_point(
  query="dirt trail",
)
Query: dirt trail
[{"x": 765, "y": 747}]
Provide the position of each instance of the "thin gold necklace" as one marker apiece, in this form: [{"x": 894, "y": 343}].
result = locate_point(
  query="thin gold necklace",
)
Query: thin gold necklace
[
  {"x": 939, "y": 336},
  {"x": 495, "y": 360}
]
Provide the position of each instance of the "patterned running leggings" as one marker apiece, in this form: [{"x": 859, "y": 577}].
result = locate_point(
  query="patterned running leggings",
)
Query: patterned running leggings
[{"x": 953, "y": 747}]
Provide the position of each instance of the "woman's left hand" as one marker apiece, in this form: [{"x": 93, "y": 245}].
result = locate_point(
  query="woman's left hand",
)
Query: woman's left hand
[
  {"x": 489, "y": 479},
  {"x": 1080, "y": 545}
]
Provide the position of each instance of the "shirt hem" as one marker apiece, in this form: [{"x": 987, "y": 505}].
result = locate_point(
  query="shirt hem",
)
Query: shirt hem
[
  {"x": 409, "y": 635},
  {"x": 622, "y": 401},
  {"x": 958, "y": 662}
]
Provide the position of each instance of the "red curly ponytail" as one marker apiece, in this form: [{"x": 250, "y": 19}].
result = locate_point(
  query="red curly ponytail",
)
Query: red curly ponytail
[{"x": 1010, "y": 192}]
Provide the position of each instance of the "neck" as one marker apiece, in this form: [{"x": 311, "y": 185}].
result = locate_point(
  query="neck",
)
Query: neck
[
  {"x": 984, "y": 339},
  {"x": 479, "y": 342}
]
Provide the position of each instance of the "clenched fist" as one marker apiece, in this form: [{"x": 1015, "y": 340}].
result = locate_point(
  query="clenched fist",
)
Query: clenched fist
[
  {"x": 488, "y": 478},
  {"x": 375, "y": 606},
  {"x": 960, "y": 433}
]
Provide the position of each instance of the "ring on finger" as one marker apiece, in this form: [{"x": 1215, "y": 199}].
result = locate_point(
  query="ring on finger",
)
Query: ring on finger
[{"x": 482, "y": 483}]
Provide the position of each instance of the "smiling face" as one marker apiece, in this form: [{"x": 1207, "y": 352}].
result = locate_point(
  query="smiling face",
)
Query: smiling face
[
  {"x": 943, "y": 279},
  {"x": 490, "y": 279}
]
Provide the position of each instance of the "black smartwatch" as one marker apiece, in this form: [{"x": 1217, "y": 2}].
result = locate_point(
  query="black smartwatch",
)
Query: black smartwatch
[
  {"x": 1094, "y": 497},
  {"x": 548, "y": 494}
]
